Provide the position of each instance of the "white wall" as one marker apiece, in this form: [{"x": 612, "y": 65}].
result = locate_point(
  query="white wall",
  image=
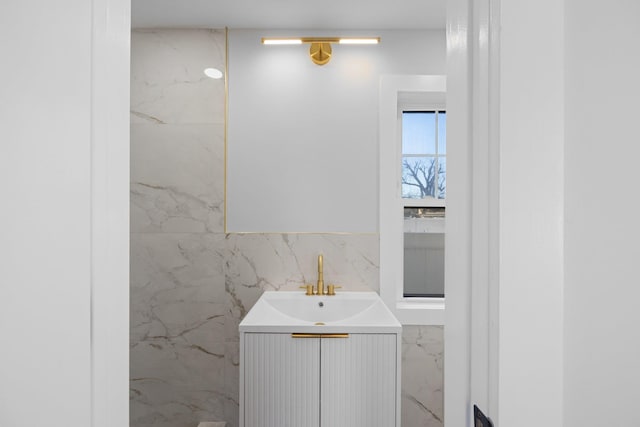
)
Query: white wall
[
  {"x": 568, "y": 347},
  {"x": 302, "y": 138},
  {"x": 63, "y": 236},
  {"x": 46, "y": 177},
  {"x": 531, "y": 213},
  {"x": 602, "y": 285}
]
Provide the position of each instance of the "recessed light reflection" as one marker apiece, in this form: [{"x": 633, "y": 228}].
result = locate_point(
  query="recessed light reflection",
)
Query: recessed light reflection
[{"x": 214, "y": 73}]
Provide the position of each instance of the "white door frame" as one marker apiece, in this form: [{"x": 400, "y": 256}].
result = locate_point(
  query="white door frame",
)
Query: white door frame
[
  {"x": 471, "y": 330},
  {"x": 470, "y": 372},
  {"x": 111, "y": 29}
]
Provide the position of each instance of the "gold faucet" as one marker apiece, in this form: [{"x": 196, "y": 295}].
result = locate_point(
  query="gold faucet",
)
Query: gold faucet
[
  {"x": 320, "y": 285},
  {"x": 320, "y": 290}
]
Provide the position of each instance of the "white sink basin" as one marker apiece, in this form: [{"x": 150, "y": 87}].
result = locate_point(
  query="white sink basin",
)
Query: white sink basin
[{"x": 343, "y": 312}]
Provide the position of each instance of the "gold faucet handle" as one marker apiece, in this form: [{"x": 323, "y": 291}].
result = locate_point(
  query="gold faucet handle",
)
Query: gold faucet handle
[
  {"x": 309, "y": 289},
  {"x": 331, "y": 289}
]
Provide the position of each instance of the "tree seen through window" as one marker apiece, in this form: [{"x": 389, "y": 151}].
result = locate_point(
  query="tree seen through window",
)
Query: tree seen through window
[{"x": 423, "y": 154}]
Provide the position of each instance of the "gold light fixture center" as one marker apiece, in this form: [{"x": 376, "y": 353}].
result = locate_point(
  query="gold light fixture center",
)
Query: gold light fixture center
[{"x": 320, "y": 53}]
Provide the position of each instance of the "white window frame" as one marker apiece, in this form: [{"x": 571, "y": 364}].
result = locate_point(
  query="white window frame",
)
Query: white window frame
[{"x": 409, "y": 311}]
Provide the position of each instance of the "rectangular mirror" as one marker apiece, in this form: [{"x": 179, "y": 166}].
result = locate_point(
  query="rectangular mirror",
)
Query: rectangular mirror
[{"x": 302, "y": 139}]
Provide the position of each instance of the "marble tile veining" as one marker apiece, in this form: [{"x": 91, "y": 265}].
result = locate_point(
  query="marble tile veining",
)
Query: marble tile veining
[
  {"x": 177, "y": 178},
  {"x": 285, "y": 261},
  {"x": 168, "y": 84},
  {"x": 422, "y": 376},
  {"x": 177, "y": 285},
  {"x": 177, "y": 350},
  {"x": 163, "y": 404},
  {"x": 232, "y": 383}
]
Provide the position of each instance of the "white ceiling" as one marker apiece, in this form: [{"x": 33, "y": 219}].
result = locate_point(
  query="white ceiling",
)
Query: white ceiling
[{"x": 290, "y": 14}]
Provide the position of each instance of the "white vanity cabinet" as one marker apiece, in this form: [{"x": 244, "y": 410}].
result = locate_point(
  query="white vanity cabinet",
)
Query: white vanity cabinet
[
  {"x": 320, "y": 361},
  {"x": 320, "y": 380},
  {"x": 358, "y": 380},
  {"x": 281, "y": 381}
]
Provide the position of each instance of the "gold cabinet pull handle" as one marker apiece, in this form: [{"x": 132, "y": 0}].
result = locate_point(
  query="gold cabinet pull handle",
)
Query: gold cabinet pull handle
[{"x": 300, "y": 335}]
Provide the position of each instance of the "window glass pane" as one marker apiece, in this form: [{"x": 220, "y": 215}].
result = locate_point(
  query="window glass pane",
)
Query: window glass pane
[
  {"x": 423, "y": 264},
  {"x": 418, "y": 132},
  {"x": 418, "y": 177},
  {"x": 442, "y": 177},
  {"x": 442, "y": 132}
]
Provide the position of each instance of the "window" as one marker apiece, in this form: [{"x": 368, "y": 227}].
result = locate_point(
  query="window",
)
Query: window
[
  {"x": 424, "y": 154},
  {"x": 413, "y": 178},
  {"x": 423, "y": 189}
]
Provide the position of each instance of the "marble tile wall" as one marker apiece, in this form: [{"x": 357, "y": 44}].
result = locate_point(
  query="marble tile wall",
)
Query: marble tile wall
[
  {"x": 191, "y": 284},
  {"x": 422, "y": 376},
  {"x": 178, "y": 351}
]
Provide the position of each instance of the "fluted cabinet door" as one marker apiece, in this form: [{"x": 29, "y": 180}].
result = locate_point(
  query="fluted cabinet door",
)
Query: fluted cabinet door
[
  {"x": 359, "y": 381},
  {"x": 281, "y": 381}
]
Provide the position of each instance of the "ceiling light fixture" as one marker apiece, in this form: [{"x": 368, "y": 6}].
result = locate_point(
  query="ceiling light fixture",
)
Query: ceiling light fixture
[{"x": 320, "y": 50}]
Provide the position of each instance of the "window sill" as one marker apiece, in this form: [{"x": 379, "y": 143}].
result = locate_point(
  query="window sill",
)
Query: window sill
[{"x": 419, "y": 311}]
